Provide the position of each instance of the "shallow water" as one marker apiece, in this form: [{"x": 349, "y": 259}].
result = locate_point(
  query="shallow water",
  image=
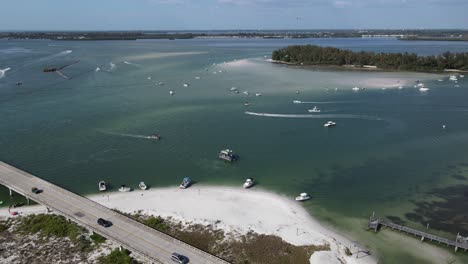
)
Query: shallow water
[{"x": 392, "y": 157}]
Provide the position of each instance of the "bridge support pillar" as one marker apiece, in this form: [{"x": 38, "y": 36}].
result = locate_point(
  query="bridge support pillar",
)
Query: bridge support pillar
[
  {"x": 11, "y": 192},
  {"x": 27, "y": 199},
  {"x": 47, "y": 210},
  {"x": 422, "y": 239},
  {"x": 456, "y": 249}
]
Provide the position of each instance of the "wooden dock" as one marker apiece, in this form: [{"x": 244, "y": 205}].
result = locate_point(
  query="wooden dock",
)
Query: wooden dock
[{"x": 460, "y": 242}]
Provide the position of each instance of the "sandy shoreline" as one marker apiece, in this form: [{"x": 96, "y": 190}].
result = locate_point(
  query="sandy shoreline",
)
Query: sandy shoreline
[{"x": 236, "y": 211}]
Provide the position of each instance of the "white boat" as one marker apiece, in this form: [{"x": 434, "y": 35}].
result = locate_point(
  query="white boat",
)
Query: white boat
[
  {"x": 102, "y": 186},
  {"x": 297, "y": 92},
  {"x": 423, "y": 89},
  {"x": 329, "y": 124},
  {"x": 400, "y": 87},
  {"x": 124, "y": 188},
  {"x": 302, "y": 197},
  {"x": 248, "y": 183},
  {"x": 186, "y": 85},
  {"x": 420, "y": 85},
  {"x": 142, "y": 186},
  {"x": 171, "y": 92},
  {"x": 159, "y": 83},
  {"x": 462, "y": 76},
  {"x": 444, "y": 126},
  {"x": 440, "y": 80},
  {"x": 258, "y": 94},
  {"x": 197, "y": 78},
  {"x": 356, "y": 89},
  {"x": 297, "y": 102},
  {"x": 453, "y": 78},
  {"x": 314, "y": 110},
  {"x": 245, "y": 92},
  {"x": 233, "y": 89},
  {"x": 149, "y": 78},
  {"x": 246, "y": 104}
]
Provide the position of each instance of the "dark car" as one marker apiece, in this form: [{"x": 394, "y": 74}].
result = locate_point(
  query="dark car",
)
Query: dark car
[
  {"x": 36, "y": 190},
  {"x": 179, "y": 258},
  {"x": 104, "y": 223}
]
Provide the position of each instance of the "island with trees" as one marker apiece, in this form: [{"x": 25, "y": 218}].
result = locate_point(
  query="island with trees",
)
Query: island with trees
[{"x": 311, "y": 55}]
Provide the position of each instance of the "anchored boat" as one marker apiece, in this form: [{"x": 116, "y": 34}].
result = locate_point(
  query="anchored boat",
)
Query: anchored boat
[
  {"x": 186, "y": 182},
  {"x": 227, "y": 155},
  {"x": 124, "y": 188},
  {"x": 248, "y": 183},
  {"x": 142, "y": 186},
  {"x": 329, "y": 124},
  {"x": 302, "y": 197},
  {"x": 102, "y": 186}
]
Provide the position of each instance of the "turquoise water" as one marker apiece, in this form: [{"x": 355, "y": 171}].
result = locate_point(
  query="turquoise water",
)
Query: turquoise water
[{"x": 388, "y": 153}]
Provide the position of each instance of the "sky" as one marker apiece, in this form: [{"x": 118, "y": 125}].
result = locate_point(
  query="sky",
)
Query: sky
[{"x": 231, "y": 14}]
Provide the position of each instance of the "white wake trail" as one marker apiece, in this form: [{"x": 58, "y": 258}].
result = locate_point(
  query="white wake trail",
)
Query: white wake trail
[{"x": 319, "y": 116}]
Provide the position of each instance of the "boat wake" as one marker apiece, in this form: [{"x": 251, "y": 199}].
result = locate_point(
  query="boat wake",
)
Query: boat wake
[
  {"x": 131, "y": 63},
  {"x": 125, "y": 135},
  {"x": 318, "y": 116},
  {"x": 2, "y": 72},
  {"x": 324, "y": 102}
]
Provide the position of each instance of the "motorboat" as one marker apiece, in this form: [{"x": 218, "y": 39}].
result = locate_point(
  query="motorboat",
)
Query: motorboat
[
  {"x": 246, "y": 104},
  {"x": 297, "y": 102},
  {"x": 171, "y": 92},
  {"x": 248, "y": 183},
  {"x": 186, "y": 85},
  {"x": 154, "y": 136},
  {"x": 102, "y": 186},
  {"x": 142, "y": 186},
  {"x": 461, "y": 76},
  {"x": 233, "y": 89},
  {"x": 314, "y": 110},
  {"x": 124, "y": 188},
  {"x": 420, "y": 85},
  {"x": 186, "y": 182},
  {"x": 297, "y": 92},
  {"x": 423, "y": 89},
  {"x": 149, "y": 78},
  {"x": 440, "y": 80},
  {"x": 258, "y": 94},
  {"x": 453, "y": 78},
  {"x": 245, "y": 92},
  {"x": 197, "y": 78},
  {"x": 159, "y": 83},
  {"x": 400, "y": 87},
  {"x": 302, "y": 197},
  {"x": 356, "y": 89},
  {"x": 19, "y": 83},
  {"x": 329, "y": 124},
  {"x": 444, "y": 126},
  {"x": 227, "y": 155}
]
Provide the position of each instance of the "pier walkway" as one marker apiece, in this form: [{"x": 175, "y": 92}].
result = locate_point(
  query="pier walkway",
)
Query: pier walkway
[
  {"x": 459, "y": 242},
  {"x": 149, "y": 243}
]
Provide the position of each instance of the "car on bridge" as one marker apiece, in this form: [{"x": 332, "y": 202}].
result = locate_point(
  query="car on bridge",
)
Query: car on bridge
[
  {"x": 36, "y": 190},
  {"x": 179, "y": 258},
  {"x": 104, "y": 223}
]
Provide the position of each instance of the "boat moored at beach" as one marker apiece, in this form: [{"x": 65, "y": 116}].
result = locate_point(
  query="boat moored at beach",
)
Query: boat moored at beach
[
  {"x": 302, "y": 197},
  {"x": 142, "y": 186},
  {"x": 102, "y": 186},
  {"x": 124, "y": 188},
  {"x": 227, "y": 155},
  {"x": 453, "y": 78},
  {"x": 248, "y": 183},
  {"x": 186, "y": 182}
]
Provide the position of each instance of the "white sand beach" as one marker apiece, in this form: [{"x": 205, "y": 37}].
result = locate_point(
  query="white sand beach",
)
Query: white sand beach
[{"x": 234, "y": 210}]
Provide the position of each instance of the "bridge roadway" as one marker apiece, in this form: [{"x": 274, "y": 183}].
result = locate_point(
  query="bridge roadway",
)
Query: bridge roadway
[{"x": 151, "y": 244}]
